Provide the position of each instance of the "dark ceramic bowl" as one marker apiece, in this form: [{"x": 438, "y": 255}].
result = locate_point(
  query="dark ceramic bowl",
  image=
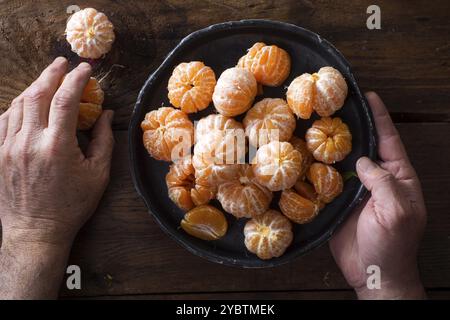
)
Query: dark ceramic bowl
[{"x": 220, "y": 46}]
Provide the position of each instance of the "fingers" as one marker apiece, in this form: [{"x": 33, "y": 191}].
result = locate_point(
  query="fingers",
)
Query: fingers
[
  {"x": 15, "y": 117},
  {"x": 102, "y": 143},
  {"x": 3, "y": 127},
  {"x": 38, "y": 96},
  {"x": 64, "y": 108},
  {"x": 390, "y": 145}
]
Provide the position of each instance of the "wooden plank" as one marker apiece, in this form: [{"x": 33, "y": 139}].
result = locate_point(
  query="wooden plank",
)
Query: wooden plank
[
  {"x": 122, "y": 250},
  {"x": 407, "y": 61},
  {"x": 293, "y": 295}
]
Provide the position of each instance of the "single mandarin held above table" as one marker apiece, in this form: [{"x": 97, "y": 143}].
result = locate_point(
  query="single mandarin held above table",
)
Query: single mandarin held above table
[
  {"x": 270, "y": 65},
  {"x": 191, "y": 86},
  {"x": 90, "y": 33}
]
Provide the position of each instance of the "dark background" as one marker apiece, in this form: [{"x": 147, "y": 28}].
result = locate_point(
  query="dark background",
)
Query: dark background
[{"x": 122, "y": 252}]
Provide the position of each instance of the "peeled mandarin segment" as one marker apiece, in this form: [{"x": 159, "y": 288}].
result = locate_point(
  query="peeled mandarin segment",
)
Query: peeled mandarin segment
[
  {"x": 191, "y": 86},
  {"x": 234, "y": 92},
  {"x": 242, "y": 196},
  {"x": 329, "y": 140},
  {"x": 300, "y": 96},
  {"x": 180, "y": 181},
  {"x": 327, "y": 181},
  {"x": 88, "y": 115},
  {"x": 277, "y": 165},
  {"x": 331, "y": 91},
  {"x": 269, "y": 120},
  {"x": 215, "y": 123},
  {"x": 90, "y": 33},
  {"x": 268, "y": 235},
  {"x": 307, "y": 158},
  {"x": 297, "y": 208},
  {"x": 270, "y": 65},
  {"x": 168, "y": 134},
  {"x": 205, "y": 222}
]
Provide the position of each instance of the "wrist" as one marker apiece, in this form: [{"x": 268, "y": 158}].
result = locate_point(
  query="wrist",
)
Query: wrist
[{"x": 407, "y": 286}]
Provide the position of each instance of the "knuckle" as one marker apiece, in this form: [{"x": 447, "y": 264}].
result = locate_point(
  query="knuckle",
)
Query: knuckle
[
  {"x": 62, "y": 99},
  {"x": 35, "y": 93}
]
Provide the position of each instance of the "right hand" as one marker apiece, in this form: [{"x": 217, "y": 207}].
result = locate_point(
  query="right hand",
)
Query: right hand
[{"x": 388, "y": 230}]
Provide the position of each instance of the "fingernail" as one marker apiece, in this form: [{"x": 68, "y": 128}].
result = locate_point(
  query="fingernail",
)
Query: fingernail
[
  {"x": 85, "y": 65},
  {"x": 60, "y": 60},
  {"x": 364, "y": 164}
]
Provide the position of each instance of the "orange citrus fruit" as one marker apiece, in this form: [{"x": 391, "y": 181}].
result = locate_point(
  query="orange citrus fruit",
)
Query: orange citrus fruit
[
  {"x": 269, "y": 120},
  {"x": 191, "y": 86},
  {"x": 216, "y": 124},
  {"x": 277, "y": 165},
  {"x": 268, "y": 235},
  {"x": 235, "y": 91},
  {"x": 269, "y": 64},
  {"x": 166, "y": 131},
  {"x": 90, "y": 33},
  {"x": 181, "y": 186},
  {"x": 242, "y": 196},
  {"x": 327, "y": 181},
  {"x": 205, "y": 222},
  {"x": 323, "y": 92},
  {"x": 329, "y": 140},
  {"x": 297, "y": 208},
  {"x": 307, "y": 158},
  {"x": 88, "y": 115}
]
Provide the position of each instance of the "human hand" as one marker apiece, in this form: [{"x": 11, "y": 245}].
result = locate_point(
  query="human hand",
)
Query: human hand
[
  {"x": 388, "y": 230},
  {"x": 48, "y": 186}
]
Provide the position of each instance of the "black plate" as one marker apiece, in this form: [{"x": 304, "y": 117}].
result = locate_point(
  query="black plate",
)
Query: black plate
[{"x": 220, "y": 46}]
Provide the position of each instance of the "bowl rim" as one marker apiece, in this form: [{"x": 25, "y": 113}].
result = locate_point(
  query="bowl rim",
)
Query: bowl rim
[{"x": 209, "y": 255}]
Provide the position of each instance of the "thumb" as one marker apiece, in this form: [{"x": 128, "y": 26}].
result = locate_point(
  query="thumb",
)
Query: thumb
[
  {"x": 102, "y": 142},
  {"x": 373, "y": 176}
]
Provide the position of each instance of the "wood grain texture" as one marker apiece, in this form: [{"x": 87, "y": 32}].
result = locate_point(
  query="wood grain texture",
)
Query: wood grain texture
[
  {"x": 407, "y": 61},
  {"x": 122, "y": 251}
]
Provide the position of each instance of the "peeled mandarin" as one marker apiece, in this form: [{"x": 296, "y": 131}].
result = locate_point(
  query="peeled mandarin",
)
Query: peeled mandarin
[
  {"x": 234, "y": 92},
  {"x": 269, "y": 64},
  {"x": 216, "y": 123},
  {"x": 307, "y": 158},
  {"x": 191, "y": 86},
  {"x": 268, "y": 235},
  {"x": 269, "y": 120},
  {"x": 323, "y": 92},
  {"x": 242, "y": 196},
  {"x": 182, "y": 188},
  {"x": 90, "y": 33},
  {"x": 327, "y": 181},
  {"x": 277, "y": 165},
  {"x": 329, "y": 140},
  {"x": 168, "y": 134},
  {"x": 214, "y": 160},
  {"x": 297, "y": 208},
  {"x": 205, "y": 222}
]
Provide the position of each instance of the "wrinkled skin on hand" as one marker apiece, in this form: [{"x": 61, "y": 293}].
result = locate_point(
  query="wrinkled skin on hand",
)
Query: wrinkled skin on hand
[{"x": 387, "y": 231}]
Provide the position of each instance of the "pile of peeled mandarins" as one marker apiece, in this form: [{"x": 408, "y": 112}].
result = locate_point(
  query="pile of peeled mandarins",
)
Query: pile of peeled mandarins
[{"x": 281, "y": 162}]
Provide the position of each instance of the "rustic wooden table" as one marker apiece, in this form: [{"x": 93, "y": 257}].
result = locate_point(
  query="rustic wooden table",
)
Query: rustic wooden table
[{"x": 122, "y": 252}]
